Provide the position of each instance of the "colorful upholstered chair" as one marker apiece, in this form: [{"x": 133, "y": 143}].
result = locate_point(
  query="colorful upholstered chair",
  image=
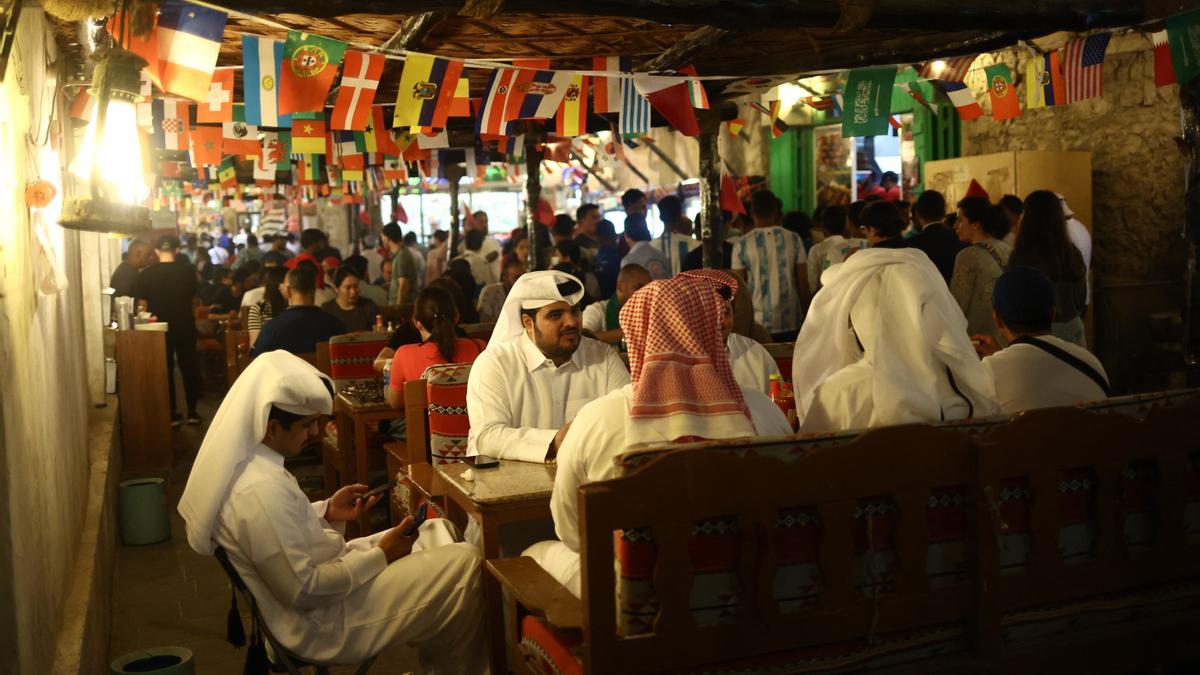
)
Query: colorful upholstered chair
[{"x": 448, "y": 423}]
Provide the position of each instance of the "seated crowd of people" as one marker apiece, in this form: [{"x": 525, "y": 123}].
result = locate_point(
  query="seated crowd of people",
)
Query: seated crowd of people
[{"x": 622, "y": 341}]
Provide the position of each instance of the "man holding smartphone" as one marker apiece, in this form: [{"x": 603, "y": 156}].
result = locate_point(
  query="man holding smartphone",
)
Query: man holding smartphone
[{"x": 326, "y": 599}]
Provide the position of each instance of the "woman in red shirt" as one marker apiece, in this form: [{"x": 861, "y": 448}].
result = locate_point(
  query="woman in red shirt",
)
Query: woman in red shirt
[{"x": 434, "y": 316}]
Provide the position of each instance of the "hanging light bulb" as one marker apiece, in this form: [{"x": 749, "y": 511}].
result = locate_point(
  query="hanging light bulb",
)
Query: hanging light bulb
[{"x": 109, "y": 161}]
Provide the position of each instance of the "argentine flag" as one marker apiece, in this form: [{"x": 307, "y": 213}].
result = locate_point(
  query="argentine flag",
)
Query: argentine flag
[{"x": 261, "y": 58}]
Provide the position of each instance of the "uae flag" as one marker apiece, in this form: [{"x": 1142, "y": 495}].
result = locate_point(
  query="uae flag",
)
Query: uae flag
[{"x": 309, "y": 65}]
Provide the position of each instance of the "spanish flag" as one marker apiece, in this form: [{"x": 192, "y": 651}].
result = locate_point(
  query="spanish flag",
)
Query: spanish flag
[
  {"x": 572, "y": 112},
  {"x": 427, "y": 89}
]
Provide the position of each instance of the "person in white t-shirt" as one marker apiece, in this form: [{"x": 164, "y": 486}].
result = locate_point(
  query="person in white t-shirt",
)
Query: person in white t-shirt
[
  {"x": 774, "y": 264},
  {"x": 1036, "y": 369},
  {"x": 836, "y": 247}
]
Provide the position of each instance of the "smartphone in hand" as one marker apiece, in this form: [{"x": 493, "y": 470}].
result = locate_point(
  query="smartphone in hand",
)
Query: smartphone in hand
[
  {"x": 418, "y": 518},
  {"x": 377, "y": 490}
]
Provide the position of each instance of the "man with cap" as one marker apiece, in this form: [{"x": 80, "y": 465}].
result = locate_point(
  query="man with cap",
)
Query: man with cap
[
  {"x": 537, "y": 371},
  {"x": 329, "y": 600},
  {"x": 1036, "y": 369},
  {"x": 682, "y": 388}
]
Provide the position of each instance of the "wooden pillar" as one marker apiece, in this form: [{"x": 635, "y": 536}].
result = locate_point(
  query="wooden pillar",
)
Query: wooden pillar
[
  {"x": 453, "y": 173},
  {"x": 1189, "y": 120},
  {"x": 711, "y": 225},
  {"x": 533, "y": 193}
]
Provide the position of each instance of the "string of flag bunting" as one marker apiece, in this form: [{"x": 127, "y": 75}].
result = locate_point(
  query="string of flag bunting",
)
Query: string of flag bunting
[{"x": 282, "y": 124}]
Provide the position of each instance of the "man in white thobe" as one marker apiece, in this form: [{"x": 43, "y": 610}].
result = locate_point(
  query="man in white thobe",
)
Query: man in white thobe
[
  {"x": 328, "y": 600},
  {"x": 885, "y": 343},
  {"x": 752, "y": 364},
  {"x": 537, "y": 371},
  {"x": 689, "y": 378}
]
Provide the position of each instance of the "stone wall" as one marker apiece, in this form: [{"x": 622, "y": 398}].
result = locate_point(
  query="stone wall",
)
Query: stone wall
[{"x": 1137, "y": 171}]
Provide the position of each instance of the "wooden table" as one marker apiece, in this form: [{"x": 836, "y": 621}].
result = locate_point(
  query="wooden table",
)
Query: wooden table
[
  {"x": 351, "y": 413},
  {"x": 512, "y": 492}
]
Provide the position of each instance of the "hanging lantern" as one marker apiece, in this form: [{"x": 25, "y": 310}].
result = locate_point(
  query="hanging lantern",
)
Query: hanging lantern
[{"x": 110, "y": 161}]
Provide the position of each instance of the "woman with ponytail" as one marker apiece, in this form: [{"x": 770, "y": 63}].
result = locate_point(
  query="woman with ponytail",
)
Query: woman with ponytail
[{"x": 435, "y": 316}]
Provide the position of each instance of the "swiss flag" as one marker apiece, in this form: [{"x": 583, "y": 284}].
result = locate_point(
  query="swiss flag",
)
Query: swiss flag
[{"x": 219, "y": 105}]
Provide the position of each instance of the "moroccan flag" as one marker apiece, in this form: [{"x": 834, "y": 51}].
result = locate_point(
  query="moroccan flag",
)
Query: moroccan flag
[
  {"x": 189, "y": 40},
  {"x": 206, "y": 146},
  {"x": 672, "y": 98},
  {"x": 729, "y": 199},
  {"x": 261, "y": 59},
  {"x": 607, "y": 90},
  {"x": 309, "y": 65},
  {"x": 572, "y": 112},
  {"x": 868, "y": 101},
  {"x": 460, "y": 105},
  {"x": 217, "y": 105},
  {"x": 227, "y": 174},
  {"x": 1183, "y": 37},
  {"x": 1004, "y": 97},
  {"x": 360, "y": 80},
  {"x": 1164, "y": 72},
  {"x": 427, "y": 88},
  {"x": 308, "y": 133},
  {"x": 963, "y": 100},
  {"x": 171, "y": 124},
  {"x": 491, "y": 119}
]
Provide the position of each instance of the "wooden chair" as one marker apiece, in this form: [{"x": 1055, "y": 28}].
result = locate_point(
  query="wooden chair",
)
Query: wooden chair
[
  {"x": 408, "y": 462},
  {"x": 285, "y": 660},
  {"x": 694, "y": 511},
  {"x": 1087, "y": 566}
]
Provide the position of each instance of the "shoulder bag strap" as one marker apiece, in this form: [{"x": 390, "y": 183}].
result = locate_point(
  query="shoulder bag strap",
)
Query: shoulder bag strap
[{"x": 1067, "y": 358}]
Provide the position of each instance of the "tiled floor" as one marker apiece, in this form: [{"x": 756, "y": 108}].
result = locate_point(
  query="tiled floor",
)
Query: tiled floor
[{"x": 166, "y": 594}]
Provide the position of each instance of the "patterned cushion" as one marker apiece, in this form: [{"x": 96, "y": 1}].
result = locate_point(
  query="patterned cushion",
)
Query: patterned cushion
[
  {"x": 550, "y": 651},
  {"x": 448, "y": 422},
  {"x": 352, "y": 357}
]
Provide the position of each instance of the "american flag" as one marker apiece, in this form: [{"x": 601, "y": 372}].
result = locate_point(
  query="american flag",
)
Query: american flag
[
  {"x": 1083, "y": 67},
  {"x": 955, "y": 69}
]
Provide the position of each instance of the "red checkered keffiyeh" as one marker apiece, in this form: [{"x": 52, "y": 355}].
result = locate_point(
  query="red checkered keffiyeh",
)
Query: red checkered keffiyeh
[{"x": 683, "y": 385}]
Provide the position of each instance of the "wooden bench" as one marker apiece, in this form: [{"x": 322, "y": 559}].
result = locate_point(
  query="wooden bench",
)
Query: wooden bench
[{"x": 1110, "y": 576}]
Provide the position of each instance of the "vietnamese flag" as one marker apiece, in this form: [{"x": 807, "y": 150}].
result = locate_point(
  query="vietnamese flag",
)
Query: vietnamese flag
[
  {"x": 310, "y": 63},
  {"x": 1004, "y": 97}
]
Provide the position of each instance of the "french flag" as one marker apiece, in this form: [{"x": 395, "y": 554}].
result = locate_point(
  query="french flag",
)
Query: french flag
[{"x": 189, "y": 40}]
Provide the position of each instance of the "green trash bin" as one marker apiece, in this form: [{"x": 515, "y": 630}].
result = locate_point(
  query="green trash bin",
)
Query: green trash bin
[
  {"x": 156, "y": 660},
  {"x": 144, "y": 512}
]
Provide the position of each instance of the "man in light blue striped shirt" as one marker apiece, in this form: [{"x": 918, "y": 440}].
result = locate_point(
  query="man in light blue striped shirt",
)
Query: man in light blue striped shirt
[
  {"x": 677, "y": 240},
  {"x": 772, "y": 261}
]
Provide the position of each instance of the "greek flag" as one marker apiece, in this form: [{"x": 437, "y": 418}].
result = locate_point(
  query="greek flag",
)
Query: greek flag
[{"x": 635, "y": 110}]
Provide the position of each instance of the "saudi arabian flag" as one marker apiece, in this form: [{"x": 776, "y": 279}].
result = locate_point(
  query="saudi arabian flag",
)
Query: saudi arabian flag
[
  {"x": 1183, "y": 33},
  {"x": 868, "y": 102}
]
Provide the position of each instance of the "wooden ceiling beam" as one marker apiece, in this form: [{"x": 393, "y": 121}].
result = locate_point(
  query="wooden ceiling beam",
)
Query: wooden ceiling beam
[
  {"x": 414, "y": 30},
  {"x": 754, "y": 15},
  {"x": 684, "y": 51}
]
